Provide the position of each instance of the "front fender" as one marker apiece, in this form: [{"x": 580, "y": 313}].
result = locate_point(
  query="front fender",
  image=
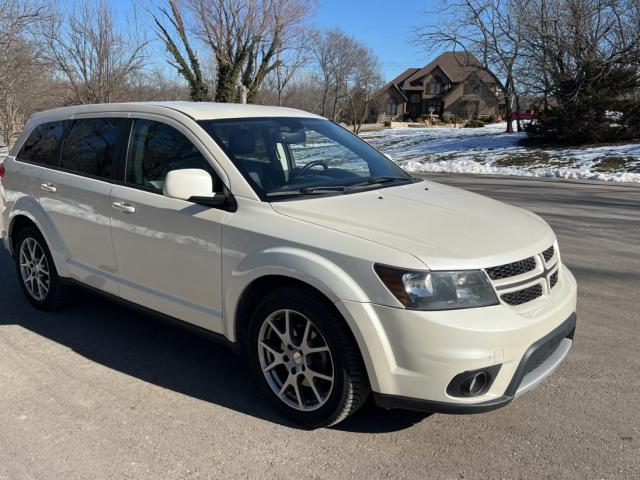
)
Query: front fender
[
  {"x": 30, "y": 208},
  {"x": 308, "y": 267}
]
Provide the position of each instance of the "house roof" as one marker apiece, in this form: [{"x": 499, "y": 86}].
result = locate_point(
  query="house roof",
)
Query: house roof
[
  {"x": 401, "y": 78},
  {"x": 400, "y": 92},
  {"x": 455, "y": 65}
]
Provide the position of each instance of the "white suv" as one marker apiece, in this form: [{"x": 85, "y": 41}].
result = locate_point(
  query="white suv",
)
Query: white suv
[{"x": 289, "y": 238}]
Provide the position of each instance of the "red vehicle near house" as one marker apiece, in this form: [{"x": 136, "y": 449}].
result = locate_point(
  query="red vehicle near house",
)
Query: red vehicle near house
[{"x": 527, "y": 114}]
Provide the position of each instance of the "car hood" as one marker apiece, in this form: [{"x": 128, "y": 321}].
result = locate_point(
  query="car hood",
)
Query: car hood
[{"x": 445, "y": 227}]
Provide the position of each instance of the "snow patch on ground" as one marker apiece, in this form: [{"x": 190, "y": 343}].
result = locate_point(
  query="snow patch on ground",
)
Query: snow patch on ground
[{"x": 489, "y": 150}]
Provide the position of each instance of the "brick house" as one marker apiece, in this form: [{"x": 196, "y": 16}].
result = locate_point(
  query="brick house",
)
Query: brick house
[{"x": 454, "y": 84}]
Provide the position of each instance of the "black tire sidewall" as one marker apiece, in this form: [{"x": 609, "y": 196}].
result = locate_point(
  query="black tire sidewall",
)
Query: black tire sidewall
[
  {"x": 54, "y": 281},
  {"x": 316, "y": 310}
]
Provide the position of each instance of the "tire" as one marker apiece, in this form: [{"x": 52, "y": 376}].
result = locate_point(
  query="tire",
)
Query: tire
[
  {"x": 30, "y": 242},
  {"x": 313, "y": 372}
]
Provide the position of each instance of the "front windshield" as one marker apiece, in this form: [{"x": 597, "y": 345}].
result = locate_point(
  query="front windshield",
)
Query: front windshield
[{"x": 294, "y": 156}]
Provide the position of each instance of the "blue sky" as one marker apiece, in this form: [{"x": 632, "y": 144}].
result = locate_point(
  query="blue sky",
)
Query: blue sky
[{"x": 383, "y": 25}]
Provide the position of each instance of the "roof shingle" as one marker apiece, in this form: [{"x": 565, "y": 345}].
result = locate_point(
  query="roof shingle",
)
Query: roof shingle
[{"x": 455, "y": 65}]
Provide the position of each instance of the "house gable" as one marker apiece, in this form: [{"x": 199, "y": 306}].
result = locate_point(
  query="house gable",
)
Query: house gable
[
  {"x": 457, "y": 66},
  {"x": 400, "y": 79}
]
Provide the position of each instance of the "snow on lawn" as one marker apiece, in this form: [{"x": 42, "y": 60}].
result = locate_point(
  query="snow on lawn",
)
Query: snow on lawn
[{"x": 489, "y": 150}]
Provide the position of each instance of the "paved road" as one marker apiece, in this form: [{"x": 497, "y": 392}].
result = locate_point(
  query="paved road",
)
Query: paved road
[{"x": 97, "y": 391}]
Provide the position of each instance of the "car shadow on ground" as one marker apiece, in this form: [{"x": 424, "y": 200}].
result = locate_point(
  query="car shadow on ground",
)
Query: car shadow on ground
[{"x": 162, "y": 353}]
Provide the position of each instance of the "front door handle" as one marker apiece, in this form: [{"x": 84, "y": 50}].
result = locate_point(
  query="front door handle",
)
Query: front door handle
[
  {"x": 48, "y": 187},
  {"x": 124, "y": 207}
]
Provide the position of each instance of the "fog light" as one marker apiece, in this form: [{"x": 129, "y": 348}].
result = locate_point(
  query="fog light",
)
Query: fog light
[{"x": 473, "y": 383}]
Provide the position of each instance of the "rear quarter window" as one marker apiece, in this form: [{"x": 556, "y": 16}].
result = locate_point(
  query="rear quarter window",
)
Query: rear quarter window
[
  {"x": 92, "y": 146},
  {"x": 43, "y": 144}
]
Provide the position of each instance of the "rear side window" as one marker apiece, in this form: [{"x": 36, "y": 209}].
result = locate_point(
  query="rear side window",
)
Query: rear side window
[
  {"x": 156, "y": 149},
  {"x": 92, "y": 146},
  {"x": 43, "y": 144}
]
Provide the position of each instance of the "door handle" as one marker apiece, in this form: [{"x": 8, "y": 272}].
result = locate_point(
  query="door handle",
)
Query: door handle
[
  {"x": 48, "y": 187},
  {"x": 124, "y": 207}
]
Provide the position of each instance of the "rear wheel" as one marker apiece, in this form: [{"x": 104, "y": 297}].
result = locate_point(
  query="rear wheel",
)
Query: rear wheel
[
  {"x": 37, "y": 273},
  {"x": 305, "y": 359}
]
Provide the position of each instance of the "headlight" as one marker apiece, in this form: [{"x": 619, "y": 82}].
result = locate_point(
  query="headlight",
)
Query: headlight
[{"x": 438, "y": 290}]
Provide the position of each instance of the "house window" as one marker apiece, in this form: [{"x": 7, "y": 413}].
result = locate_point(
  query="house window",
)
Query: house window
[
  {"x": 436, "y": 88},
  {"x": 392, "y": 107}
]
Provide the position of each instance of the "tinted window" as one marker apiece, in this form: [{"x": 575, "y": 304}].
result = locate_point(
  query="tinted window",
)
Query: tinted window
[
  {"x": 92, "y": 146},
  {"x": 156, "y": 149},
  {"x": 42, "y": 145}
]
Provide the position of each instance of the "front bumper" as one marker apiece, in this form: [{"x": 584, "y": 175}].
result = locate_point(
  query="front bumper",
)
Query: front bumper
[
  {"x": 538, "y": 362},
  {"x": 412, "y": 356}
]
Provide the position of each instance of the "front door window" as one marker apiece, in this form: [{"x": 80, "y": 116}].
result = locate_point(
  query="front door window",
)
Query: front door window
[{"x": 156, "y": 149}]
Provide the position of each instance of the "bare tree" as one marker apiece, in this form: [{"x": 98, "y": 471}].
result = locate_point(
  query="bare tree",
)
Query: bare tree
[
  {"x": 19, "y": 71},
  {"x": 364, "y": 82},
  {"x": 336, "y": 54},
  {"x": 16, "y": 60},
  {"x": 246, "y": 37},
  {"x": 348, "y": 74},
  {"x": 183, "y": 56},
  {"x": 583, "y": 57},
  {"x": 144, "y": 86},
  {"x": 288, "y": 64},
  {"x": 92, "y": 54},
  {"x": 303, "y": 92},
  {"x": 564, "y": 35},
  {"x": 26, "y": 86},
  {"x": 325, "y": 51},
  {"x": 16, "y": 16},
  {"x": 488, "y": 29}
]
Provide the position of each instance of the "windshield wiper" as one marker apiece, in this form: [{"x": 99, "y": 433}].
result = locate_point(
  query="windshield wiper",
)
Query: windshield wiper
[
  {"x": 319, "y": 190},
  {"x": 378, "y": 180},
  {"x": 308, "y": 191}
]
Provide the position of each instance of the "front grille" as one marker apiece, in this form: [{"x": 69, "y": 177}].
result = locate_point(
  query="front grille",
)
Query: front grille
[
  {"x": 543, "y": 352},
  {"x": 554, "y": 279},
  {"x": 522, "y": 296},
  {"x": 548, "y": 253},
  {"x": 511, "y": 269}
]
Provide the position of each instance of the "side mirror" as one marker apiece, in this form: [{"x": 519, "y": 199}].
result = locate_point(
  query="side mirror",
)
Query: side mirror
[{"x": 194, "y": 185}]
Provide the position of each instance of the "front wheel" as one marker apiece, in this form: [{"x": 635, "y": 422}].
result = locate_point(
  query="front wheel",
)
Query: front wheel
[{"x": 305, "y": 359}]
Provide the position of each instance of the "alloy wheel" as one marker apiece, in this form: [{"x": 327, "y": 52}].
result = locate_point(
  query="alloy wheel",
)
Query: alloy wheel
[
  {"x": 296, "y": 360},
  {"x": 34, "y": 269}
]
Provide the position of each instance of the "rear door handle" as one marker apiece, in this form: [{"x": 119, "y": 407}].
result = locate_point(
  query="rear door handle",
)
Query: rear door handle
[
  {"x": 48, "y": 187},
  {"x": 124, "y": 207}
]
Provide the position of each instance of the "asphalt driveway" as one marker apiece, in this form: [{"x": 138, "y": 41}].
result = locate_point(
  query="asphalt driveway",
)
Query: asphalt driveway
[{"x": 99, "y": 391}]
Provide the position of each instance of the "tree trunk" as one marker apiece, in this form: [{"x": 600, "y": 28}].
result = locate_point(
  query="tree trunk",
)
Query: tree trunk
[
  {"x": 508, "y": 110},
  {"x": 356, "y": 129},
  {"x": 226, "y": 88},
  {"x": 365, "y": 109},
  {"x": 9, "y": 122},
  {"x": 325, "y": 97}
]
